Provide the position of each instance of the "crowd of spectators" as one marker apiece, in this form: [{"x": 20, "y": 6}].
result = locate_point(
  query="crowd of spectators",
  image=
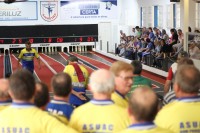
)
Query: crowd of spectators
[{"x": 155, "y": 44}]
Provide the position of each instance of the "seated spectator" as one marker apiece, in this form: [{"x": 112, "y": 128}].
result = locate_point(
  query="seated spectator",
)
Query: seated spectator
[
  {"x": 22, "y": 115},
  {"x": 160, "y": 54},
  {"x": 142, "y": 109},
  {"x": 164, "y": 36},
  {"x": 146, "y": 51},
  {"x": 194, "y": 51},
  {"x": 122, "y": 50},
  {"x": 173, "y": 39},
  {"x": 41, "y": 97},
  {"x": 100, "y": 115},
  {"x": 5, "y": 99},
  {"x": 138, "y": 80},
  {"x": 123, "y": 81},
  {"x": 179, "y": 46},
  {"x": 183, "y": 114},
  {"x": 62, "y": 85}
]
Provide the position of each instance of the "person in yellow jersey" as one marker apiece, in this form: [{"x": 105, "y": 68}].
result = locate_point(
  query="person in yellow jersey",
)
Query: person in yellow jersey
[
  {"x": 142, "y": 109},
  {"x": 5, "y": 99},
  {"x": 100, "y": 115},
  {"x": 22, "y": 116},
  {"x": 183, "y": 114},
  {"x": 123, "y": 81},
  {"x": 26, "y": 56},
  {"x": 79, "y": 76}
]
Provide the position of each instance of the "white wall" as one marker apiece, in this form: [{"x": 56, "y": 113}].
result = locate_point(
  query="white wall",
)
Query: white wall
[{"x": 164, "y": 3}]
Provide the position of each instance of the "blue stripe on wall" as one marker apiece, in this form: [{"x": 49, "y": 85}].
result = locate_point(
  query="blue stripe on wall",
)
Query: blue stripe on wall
[
  {"x": 155, "y": 16},
  {"x": 174, "y": 15}
]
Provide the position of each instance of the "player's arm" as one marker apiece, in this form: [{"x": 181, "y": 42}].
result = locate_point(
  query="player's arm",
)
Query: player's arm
[
  {"x": 168, "y": 81},
  {"x": 79, "y": 94},
  {"x": 19, "y": 59},
  {"x": 38, "y": 59}
]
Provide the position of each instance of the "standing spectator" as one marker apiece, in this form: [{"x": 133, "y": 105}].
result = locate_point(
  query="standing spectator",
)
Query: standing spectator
[
  {"x": 22, "y": 115},
  {"x": 27, "y": 57},
  {"x": 170, "y": 96},
  {"x": 138, "y": 80},
  {"x": 5, "y": 98},
  {"x": 142, "y": 109},
  {"x": 79, "y": 76},
  {"x": 183, "y": 114},
  {"x": 62, "y": 85},
  {"x": 172, "y": 70},
  {"x": 123, "y": 81},
  {"x": 100, "y": 115}
]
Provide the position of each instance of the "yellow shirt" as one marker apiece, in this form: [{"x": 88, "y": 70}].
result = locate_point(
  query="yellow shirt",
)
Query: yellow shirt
[
  {"x": 99, "y": 116},
  {"x": 26, "y": 118},
  {"x": 182, "y": 115},
  {"x": 4, "y": 105},
  {"x": 28, "y": 55},
  {"x": 145, "y": 128},
  {"x": 120, "y": 100},
  {"x": 69, "y": 69}
]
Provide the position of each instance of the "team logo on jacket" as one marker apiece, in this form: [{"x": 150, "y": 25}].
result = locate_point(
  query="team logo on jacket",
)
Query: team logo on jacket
[{"x": 49, "y": 10}]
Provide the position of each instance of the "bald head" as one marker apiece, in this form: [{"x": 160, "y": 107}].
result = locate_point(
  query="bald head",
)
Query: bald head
[
  {"x": 4, "y": 86},
  {"x": 102, "y": 81},
  {"x": 143, "y": 104}
]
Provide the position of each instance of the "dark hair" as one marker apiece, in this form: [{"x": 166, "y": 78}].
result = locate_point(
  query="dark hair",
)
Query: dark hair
[
  {"x": 62, "y": 84},
  {"x": 41, "y": 97},
  {"x": 73, "y": 58},
  {"x": 22, "y": 85},
  {"x": 172, "y": 30},
  {"x": 189, "y": 29},
  {"x": 148, "y": 40},
  {"x": 27, "y": 42},
  {"x": 137, "y": 67}
]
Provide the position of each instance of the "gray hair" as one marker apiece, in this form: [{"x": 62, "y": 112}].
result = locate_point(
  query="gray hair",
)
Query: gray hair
[
  {"x": 188, "y": 78},
  {"x": 102, "y": 81}
]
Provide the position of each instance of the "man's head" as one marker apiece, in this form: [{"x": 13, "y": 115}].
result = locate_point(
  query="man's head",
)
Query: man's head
[
  {"x": 137, "y": 67},
  {"x": 143, "y": 104},
  {"x": 28, "y": 45},
  {"x": 41, "y": 97},
  {"x": 185, "y": 61},
  {"x": 123, "y": 76},
  {"x": 22, "y": 85},
  {"x": 102, "y": 82},
  {"x": 72, "y": 58},
  {"x": 187, "y": 80},
  {"x": 61, "y": 84},
  {"x": 4, "y": 86},
  {"x": 181, "y": 55}
]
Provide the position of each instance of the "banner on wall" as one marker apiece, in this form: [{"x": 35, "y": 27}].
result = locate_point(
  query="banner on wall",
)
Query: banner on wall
[
  {"x": 18, "y": 11},
  {"x": 49, "y": 10},
  {"x": 88, "y": 9}
]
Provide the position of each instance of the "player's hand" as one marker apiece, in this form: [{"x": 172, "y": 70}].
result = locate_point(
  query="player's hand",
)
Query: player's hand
[{"x": 80, "y": 95}]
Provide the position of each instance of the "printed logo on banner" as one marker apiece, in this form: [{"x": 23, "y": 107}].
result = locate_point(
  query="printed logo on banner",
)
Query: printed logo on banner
[{"x": 49, "y": 10}]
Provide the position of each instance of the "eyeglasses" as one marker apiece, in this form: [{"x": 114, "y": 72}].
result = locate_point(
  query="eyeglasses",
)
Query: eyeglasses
[{"x": 126, "y": 78}]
